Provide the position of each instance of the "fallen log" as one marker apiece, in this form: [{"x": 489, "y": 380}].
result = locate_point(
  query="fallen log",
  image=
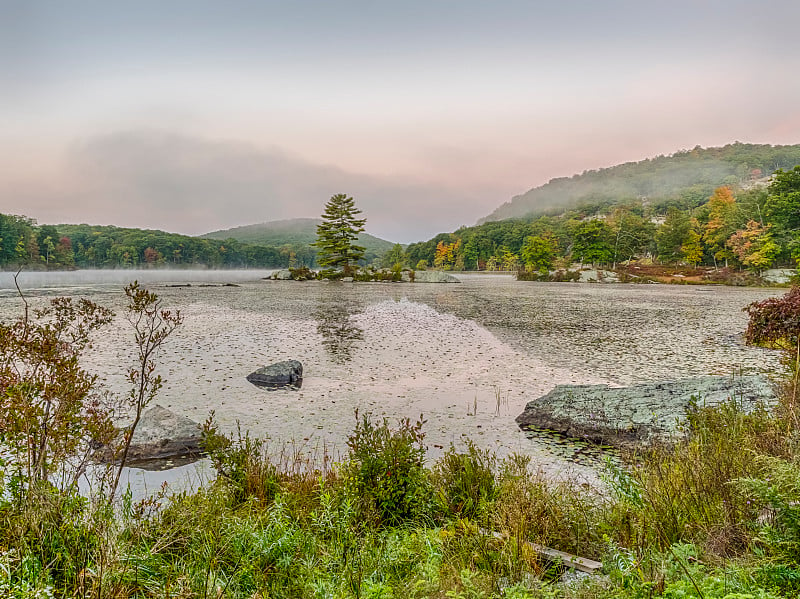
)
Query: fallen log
[{"x": 584, "y": 564}]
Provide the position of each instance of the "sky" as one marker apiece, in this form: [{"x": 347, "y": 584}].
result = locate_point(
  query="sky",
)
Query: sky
[{"x": 191, "y": 116}]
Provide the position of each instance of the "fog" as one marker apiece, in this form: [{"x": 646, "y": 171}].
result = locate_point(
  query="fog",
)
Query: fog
[{"x": 56, "y": 280}]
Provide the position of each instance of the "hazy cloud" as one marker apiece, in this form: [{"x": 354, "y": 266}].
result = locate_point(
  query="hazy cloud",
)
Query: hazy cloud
[{"x": 162, "y": 180}]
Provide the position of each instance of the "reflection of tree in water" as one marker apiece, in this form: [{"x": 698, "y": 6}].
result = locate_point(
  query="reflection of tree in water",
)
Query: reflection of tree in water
[{"x": 339, "y": 332}]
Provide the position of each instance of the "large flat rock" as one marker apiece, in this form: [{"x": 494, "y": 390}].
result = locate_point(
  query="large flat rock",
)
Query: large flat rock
[
  {"x": 434, "y": 276},
  {"x": 639, "y": 414}
]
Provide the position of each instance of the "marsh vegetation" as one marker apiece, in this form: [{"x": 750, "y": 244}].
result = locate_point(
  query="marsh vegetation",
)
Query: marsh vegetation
[{"x": 388, "y": 514}]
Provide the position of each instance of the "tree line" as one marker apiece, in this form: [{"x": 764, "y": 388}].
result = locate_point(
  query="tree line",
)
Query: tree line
[
  {"x": 750, "y": 227},
  {"x": 24, "y": 243}
]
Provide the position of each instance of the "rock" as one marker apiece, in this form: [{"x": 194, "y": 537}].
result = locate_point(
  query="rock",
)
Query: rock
[
  {"x": 283, "y": 275},
  {"x": 640, "y": 414},
  {"x": 347, "y": 279},
  {"x": 779, "y": 275},
  {"x": 281, "y": 374},
  {"x": 160, "y": 434},
  {"x": 434, "y": 276},
  {"x": 599, "y": 276}
]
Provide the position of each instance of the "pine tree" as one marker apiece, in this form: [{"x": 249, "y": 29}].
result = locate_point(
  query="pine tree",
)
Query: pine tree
[{"x": 338, "y": 232}]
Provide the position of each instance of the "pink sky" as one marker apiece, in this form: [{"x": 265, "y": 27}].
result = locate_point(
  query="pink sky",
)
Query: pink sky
[{"x": 204, "y": 115}]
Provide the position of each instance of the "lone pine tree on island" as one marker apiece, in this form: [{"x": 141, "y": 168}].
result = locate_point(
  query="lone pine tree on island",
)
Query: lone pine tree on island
[{"x": 338, "y": 232}]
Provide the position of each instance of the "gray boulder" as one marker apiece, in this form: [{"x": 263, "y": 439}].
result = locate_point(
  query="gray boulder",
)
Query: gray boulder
[
  {"x": 599, "y": 276},
  {"x": 779, "y": 275},
  {"x": 640, "y": 414},
  {"x": 434, "y": 276},
  {"x": 281, "y": 374},
  {"x": 161, "y": 434},
  {"x": 283, "y": 275}
]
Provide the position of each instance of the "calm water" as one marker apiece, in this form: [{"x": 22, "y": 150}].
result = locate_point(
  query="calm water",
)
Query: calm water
[{"x": 467, "y": 357}]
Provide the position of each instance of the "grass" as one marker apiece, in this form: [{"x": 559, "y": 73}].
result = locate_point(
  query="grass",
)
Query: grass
[{"x": 716, "y": 515}]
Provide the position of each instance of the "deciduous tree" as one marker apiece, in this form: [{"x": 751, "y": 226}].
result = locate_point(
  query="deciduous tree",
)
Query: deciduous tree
[
  {"x": 538, "y": 253},
  {"x": 754, "y": 247},
  {"x": 593, "y": 242},
  {"x": 723, "y": 220}
]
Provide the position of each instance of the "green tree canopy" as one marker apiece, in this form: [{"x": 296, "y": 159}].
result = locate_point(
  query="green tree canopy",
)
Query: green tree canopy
[
  {"x": 337, "y": 233},
  {"x": 783, "y": 209},
  {"x": 593, "y": 242},
  {"x": 538, "y": 253},
  {"x": 674, "y": 235}
]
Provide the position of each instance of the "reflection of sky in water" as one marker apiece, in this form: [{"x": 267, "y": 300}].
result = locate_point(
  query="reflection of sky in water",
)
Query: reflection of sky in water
[
  {"x": 398, "y": 350},
  {"x": 147, "y": 483}
]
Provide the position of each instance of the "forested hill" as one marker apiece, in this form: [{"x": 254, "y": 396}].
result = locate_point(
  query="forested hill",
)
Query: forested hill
[
  {"x": 295, "y": 232},
  {"x": 24, "y": 243},
  {"x": 686, "y": 178}
]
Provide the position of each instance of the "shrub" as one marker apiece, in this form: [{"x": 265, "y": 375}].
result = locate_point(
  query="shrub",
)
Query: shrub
[
  {"x": 776, "y": 494},
  {"x": 687, "y": 493},
  {"x": 384, "y": 473},
  {"x": 242, "y": 463},
  {"x": 49, "y": 410},
  {"x": 775, "y": 322},
  {"x": 302, "y": 273}
]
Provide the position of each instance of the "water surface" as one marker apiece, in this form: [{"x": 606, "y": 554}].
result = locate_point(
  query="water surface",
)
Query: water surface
[{"x": 467, "y": 357}]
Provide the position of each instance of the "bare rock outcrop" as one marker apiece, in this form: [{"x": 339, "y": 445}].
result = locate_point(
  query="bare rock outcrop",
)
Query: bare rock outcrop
[{"x": 639, "y": 414}]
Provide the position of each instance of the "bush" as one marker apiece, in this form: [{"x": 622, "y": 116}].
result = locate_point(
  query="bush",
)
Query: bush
[
  {"x": 558, "y": 276},
  {"x": 384, "y": 473},
  {"x": 243, "y": 464},
  {"x": 302, "y": 273},
  {"x": 775, "y": 322}
]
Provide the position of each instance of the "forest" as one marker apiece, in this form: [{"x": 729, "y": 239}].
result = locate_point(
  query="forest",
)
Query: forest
[
  {"x": 24, "y": 243},
  {"x": 752, "y": 224},
  {"x": 684, "y": 178}
]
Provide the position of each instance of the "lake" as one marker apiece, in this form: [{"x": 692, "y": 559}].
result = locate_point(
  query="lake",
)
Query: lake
[{"x": 466, "y": 356}]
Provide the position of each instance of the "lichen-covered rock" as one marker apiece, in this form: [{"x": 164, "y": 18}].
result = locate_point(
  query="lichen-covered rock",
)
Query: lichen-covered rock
[
  {"x": 598, "y": 276},
  {"x": 161, "y": 434},
  {"x": 283, "y": 275},
  {"x": 639, "y": 414},
  {"x": 779, "y": 275},
  {"x": 281, "y": 374},
  {"x": 434, "y": 276}
]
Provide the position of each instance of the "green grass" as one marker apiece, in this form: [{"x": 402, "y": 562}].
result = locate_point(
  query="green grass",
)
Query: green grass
[{"x": 715, "y": 516}]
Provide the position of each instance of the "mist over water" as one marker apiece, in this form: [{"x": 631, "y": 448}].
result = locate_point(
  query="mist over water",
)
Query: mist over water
[{"x": 98, "y": 279}]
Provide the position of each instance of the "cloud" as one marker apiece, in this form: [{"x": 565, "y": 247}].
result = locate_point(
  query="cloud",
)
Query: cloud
[{"x": 179, "y": 183}]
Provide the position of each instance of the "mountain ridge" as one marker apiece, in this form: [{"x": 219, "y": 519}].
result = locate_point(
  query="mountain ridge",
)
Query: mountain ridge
[
  {"x": 686, "y": 175},
  {"x": 292, "y": 231}
]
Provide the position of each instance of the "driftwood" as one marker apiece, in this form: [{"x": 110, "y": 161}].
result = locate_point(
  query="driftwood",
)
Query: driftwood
[{"x": 575, "y": 562}]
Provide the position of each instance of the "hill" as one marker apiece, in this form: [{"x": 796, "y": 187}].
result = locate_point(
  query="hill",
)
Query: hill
[
  {"x": 686, "y": 179},
  {"x": 293, "y": 232},
  {"x": 23, "y": 242}
]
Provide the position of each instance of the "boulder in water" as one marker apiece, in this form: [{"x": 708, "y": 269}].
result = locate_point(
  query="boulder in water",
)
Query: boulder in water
[
  {"x": 434, "y": 276},
  {"x": 161, "y": 434},
  {"x": 281, "y": 374},
  {"x": 639, "y": 414}
]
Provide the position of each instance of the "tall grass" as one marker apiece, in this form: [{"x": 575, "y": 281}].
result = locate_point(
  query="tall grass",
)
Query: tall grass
[{"x": 709, "y": 516}]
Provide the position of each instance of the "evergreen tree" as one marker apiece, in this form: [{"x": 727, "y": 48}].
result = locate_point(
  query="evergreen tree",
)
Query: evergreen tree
[{"x": 338, "y": 232}]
